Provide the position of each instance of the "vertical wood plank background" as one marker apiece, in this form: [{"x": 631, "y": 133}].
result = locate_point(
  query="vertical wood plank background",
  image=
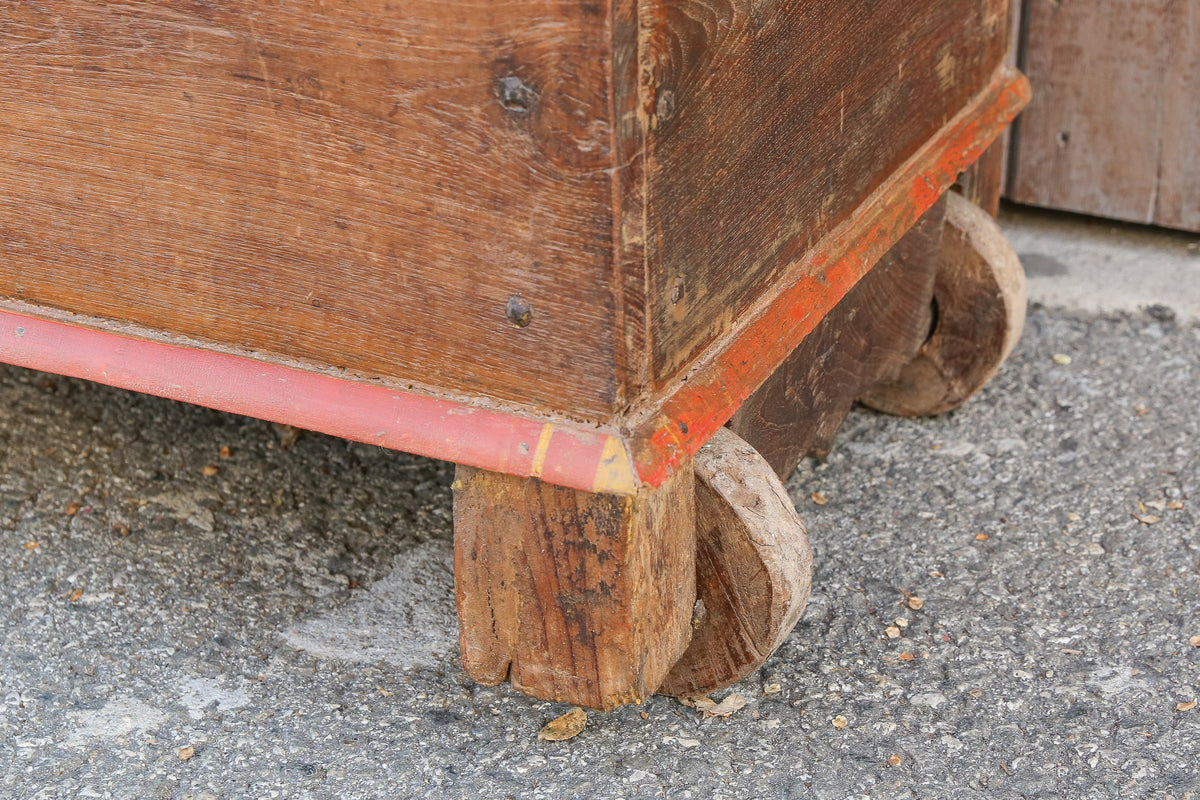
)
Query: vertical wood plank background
[{"x": 1114, "y": 126}]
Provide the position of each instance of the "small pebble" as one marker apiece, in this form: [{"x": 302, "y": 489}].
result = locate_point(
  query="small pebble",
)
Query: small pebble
[{"x": 1061, "y": 359}]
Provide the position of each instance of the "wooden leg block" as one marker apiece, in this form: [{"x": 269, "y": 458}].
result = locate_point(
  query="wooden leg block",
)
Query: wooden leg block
[
  {"x": 574, "y": 597},
  {"x": 868, "y": 337}
]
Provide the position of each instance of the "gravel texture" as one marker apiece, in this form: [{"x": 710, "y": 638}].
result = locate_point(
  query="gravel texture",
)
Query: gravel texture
[{"x": 283, "y": 626}]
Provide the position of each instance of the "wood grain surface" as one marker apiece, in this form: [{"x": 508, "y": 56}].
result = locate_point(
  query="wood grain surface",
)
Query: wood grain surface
[
  {"x": 869, "y": 337},
  {"x": 574, "y": 597},
  {"x": 361, "y": 184},
  {"x": 753, "y": 568},
  {"x": 539, "y": 205},
  {"x": 1114, "y": 125},
  {"x": 979, "y": 312},
  {"x": 771, "y": 122}
]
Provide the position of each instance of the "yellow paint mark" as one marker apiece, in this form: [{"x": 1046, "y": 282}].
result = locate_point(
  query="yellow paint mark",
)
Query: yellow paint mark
[
  {"x": 539, "y": 453},
  {"x": 615, "y": 474},
  {"x": 947, "y": 69}
]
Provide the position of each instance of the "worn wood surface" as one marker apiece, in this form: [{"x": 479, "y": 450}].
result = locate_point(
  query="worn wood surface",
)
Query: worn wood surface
[
  {"x": 869, "y": 337},
  {"x": 753, "y": 568},
  {"x": 1114, "y": 126},
  {"x": 360, "y": 184},
  {"x": 770, "y": 123},
  {"x": 574, "y": 597},
  {"x": 983, "y": 183},
  {"x": 449, "y": 200},
  {"x": 667, "y": 434},
  {"x": 979, "y": 311}
]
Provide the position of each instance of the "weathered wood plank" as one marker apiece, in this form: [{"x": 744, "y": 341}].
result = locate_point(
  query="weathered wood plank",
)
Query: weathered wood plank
[
  {"x": 359, "y": 184},
  {"x": 574, "y": 597},
  {"x": 869, "y": 337},
  {"x": 1114, "y": 125}
]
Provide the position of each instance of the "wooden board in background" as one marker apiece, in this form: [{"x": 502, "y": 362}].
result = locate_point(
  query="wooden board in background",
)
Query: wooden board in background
[{"x": 1114, "y": 125}]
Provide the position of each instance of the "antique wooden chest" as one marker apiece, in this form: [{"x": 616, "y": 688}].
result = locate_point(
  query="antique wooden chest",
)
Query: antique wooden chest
[{"x": 560, "y": 243}]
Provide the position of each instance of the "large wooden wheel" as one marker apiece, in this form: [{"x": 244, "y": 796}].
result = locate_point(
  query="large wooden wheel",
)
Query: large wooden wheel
[
  {"x": 978, "y": 313},
  {"x": 753, "y": 568}
]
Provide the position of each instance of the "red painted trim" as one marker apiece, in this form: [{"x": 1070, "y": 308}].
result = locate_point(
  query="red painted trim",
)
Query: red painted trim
[
  {"x": 668, "y": 436},
  {"x": 479, "y": 437},
  {"x": 566, "y": 454}
]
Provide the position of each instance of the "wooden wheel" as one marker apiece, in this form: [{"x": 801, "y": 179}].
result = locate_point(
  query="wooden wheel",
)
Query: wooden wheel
[
  {"x": 978, "y": 313},
  {"x": 753, "y": 568}
]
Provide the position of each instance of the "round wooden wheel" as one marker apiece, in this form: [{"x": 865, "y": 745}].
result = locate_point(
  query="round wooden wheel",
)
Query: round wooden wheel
[
  {"x": 753, "y": 568},
  {"x": 978, "y": 313}
]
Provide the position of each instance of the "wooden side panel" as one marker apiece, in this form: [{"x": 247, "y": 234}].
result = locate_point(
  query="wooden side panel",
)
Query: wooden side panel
[
  {"x": 362, "y": 184},
  {"x": 574, "y": 597},
  {"x": 771, "y": 122},
  {"x": 1179, "y": 175},
  {"x": 1114, "y": 126}
]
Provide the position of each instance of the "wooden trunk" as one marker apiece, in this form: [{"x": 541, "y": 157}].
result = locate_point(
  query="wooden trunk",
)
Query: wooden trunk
[{"x": 552, "y": 240}]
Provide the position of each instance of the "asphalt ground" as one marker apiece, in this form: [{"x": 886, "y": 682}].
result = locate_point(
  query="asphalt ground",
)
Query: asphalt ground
[{"x": 183, "y": 621}]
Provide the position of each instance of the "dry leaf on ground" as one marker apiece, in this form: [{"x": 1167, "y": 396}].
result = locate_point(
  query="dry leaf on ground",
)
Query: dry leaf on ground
[
  {"x": 565, "y": 727},
  {"x": 208, "y": 470},
  {"x": 226, "y": 452},
  {"x": 1185, "y": 706},
  {"x": 75, "y": 595},
  {"x": 840, "y": 722},
  {"x": 1194, "y": 641},
  {"x": 711, "y": 708},
  {"x": 1149, "y": 519},
  {"x": 916, "y": 603},
  {"x": 731, "y": 703},
  {"x": 1175, "y": 505},
  {"x": 74, "y": 509},
  {"x": 819, "y": 498},
  {"x": 186, "y": 753}
]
